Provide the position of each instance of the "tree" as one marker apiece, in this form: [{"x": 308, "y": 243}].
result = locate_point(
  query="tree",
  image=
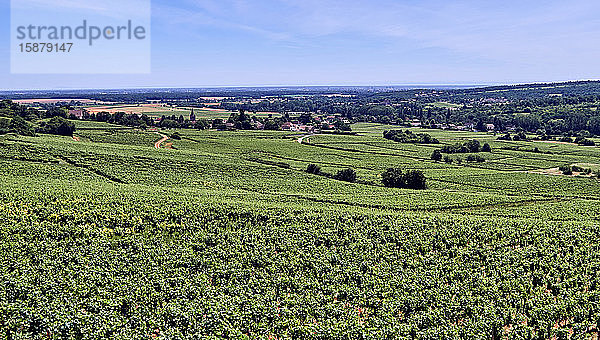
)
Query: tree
[
  {"x": 58, "y": 126},
  {"x": 521, "y": 136},
  {"x": 481, "y": 126},
  {"x": 20, "y": 126},
  {"x": 473, "y": 145},
  {"x": 436, "y": 155},
  {"x": 347, "y": 175},
  {"x": 566, "y": 170},
  {"x": 201, "y": 124},
  {"x": 593, "y": 125},
  {"x": 393, "y": 178},
  {"x": 313, "y": 169},
  {"x": 396, "y": 178},
  {"x": 415, "y": 179},
  {"x": 486, "y": 148}
]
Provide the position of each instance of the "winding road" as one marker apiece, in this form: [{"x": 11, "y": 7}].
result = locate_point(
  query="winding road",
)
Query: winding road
[{"x": 162, "y": 140}]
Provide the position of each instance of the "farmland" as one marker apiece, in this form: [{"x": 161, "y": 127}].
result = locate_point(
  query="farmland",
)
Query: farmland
[
  {"x": 228, "y": 236},
  {"x": 158, "y": 110}
]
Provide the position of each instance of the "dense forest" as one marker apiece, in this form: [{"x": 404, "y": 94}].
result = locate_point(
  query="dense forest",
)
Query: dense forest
[{"x": 19, "y": 119}]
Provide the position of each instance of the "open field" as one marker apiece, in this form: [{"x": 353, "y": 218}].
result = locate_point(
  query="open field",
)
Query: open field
[
  {"x": 152, "y": 110},
  {"x": 158, "y": 110},
  {"x": 228, "y": 236}
]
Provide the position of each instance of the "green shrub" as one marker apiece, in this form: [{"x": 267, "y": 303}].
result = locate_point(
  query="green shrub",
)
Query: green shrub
[
  {"x": 313, "y": 169},
  {"x": 566, "y": 170},
  {"x": 396, "y": 178},
  {"x": 346, "y": 175},
  {"x": 58, "y": 126}
]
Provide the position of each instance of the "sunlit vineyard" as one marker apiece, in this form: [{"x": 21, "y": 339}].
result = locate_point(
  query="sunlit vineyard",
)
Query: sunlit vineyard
[{"x": 227, "y": 236}]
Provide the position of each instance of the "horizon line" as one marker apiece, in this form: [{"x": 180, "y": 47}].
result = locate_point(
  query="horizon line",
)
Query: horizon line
[{"x": 208, "y": 87}]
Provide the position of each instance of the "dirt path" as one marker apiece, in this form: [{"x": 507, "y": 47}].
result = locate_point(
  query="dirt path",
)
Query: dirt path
[
  {"x": 162, "y": 140},
  {"x": 77, "y": 139},
  {"x": 301, "y": 139}
]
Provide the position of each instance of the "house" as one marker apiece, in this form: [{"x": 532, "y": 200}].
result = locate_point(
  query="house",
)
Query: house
[
  {"x": 490, "y": 127},
  {"x": 77, "y": 113},
  {"x": 287, "y": 126}
]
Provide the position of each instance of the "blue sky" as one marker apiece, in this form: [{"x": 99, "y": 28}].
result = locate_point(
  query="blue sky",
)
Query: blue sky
[{"x": 198, "y": 43}]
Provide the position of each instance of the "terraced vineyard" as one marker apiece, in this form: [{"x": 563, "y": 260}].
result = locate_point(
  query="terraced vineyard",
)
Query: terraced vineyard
[{"x": 227, "y": 236}]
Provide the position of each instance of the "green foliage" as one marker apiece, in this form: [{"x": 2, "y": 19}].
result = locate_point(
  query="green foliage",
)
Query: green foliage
[
  {"x": 346, "y": 175},
  {"x": 566, "y": 169},
  {"x": 566, "y": 139},
  {"x": 521, "y": 136},
  {"x": 471, "y": 146},
  {"x": 229, "y": 237},
  {"x": 506, "y": 136},
  {"x": 57, "y": 126},
  {"x": 585, "y": 141},
  {"x": 313, "y": 169},
  {"x": 396, "y": 178},
  {"x": 17, "y": 125},
  {"x": 436, "y": 155},
  {"x": 475, "y": 158},
  {"x": 408, "y": 136}
]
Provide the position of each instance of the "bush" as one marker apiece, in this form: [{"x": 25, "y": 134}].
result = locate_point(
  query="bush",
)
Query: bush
[
  {"x": 471, "y": 146},
  {"x": 505, "y": 137},
  {"x": 486, "y": 148},
  {"x": 447, "y": 159},
  {"x": 313, "y": 169},
  {"x": 566, "y": 140},
  {"x": 566, "y": 170},
  {"x": 21, "y": 127},
  {"x": 586, "y": 142},
  {"x": 475, "y": 158},
  {"x": 521, "y": 136},
  {"x": 409, "y": 137},
  {"x": 58, "y": 126},
  {"x": 395, "y": 178},
  {"x": 347, "y": 175},
  {"x": 415, "y": 179},
  {"x": 436, "y": 155},
  {"x": 577, "y": 168}
]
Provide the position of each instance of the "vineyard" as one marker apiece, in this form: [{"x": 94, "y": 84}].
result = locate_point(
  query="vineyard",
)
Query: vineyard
[{"x": 228, "y": 236}]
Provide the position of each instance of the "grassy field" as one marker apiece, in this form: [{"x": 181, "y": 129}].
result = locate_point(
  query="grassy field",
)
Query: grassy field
[{"x": 228, "y": 236}]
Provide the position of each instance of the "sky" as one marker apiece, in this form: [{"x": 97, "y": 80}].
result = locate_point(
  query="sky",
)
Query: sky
[{"x": 205, "y": 43}]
